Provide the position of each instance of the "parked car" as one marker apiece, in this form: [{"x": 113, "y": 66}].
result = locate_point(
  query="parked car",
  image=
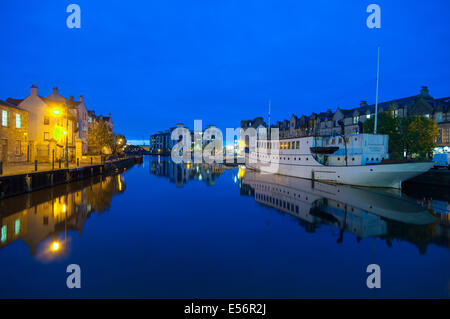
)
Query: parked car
[{"x": 442, "y": 160}]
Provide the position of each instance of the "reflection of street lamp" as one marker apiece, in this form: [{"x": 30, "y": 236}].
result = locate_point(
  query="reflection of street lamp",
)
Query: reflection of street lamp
[{"x": 55, "y": 246}]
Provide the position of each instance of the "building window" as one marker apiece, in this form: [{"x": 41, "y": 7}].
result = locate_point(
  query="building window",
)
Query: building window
[
  {"x": 4, "y": 118},
  {"x": 46, "y": 136},
  {"x": 4, "y": 231},
  {"x": 18, "y": 121},
  {"x": 355, "y": 119},
  {"x": 46, "y": 120},
  {"x": 17, "y": 226},
  {"x": 18, "y": 147}
]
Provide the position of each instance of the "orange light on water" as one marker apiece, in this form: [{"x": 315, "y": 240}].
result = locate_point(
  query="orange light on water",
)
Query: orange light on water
[{"x": 55, "y": 246}]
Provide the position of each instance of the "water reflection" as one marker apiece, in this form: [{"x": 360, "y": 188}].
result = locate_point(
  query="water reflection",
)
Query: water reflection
[
  {"x": 180, "y": 174},
  {"x": 387, "y": 214},
  {"x": 42, "y": 219}
]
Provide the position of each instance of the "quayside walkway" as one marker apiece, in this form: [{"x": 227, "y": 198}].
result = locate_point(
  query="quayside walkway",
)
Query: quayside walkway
[{"x": 25, "y": 178}]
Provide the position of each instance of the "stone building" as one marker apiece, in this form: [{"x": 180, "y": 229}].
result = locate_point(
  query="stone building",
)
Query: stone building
[
  {"x": 350, "y": 121},
  {"x": 78, "y": 109},
  {"x": 92, "y": 119},
  {"x": 50, "y": 122},
  {"x": 13, "y": 134}
]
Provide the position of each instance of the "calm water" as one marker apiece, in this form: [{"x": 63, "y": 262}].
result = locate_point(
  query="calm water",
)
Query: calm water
[{"x": 161, "y": 230}]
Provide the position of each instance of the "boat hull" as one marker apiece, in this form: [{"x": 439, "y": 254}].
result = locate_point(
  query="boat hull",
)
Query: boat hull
[{"x": 375, "y": 175}]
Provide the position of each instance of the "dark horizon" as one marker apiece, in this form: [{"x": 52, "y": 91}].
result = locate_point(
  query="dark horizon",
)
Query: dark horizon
[{"x": 152, "y": 65}]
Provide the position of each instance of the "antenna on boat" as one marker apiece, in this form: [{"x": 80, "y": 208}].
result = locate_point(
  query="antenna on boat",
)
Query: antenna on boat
[{"x": 376, "y": 97}]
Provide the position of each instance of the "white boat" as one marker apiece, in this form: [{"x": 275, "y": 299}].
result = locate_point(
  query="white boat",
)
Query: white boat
[{"x": 359, "y": 159}]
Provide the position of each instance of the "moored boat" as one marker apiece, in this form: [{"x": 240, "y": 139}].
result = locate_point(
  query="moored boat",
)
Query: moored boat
[{"x": 359, "y": 159}]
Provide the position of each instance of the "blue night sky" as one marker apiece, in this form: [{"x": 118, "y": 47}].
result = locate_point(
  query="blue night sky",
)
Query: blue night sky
[{"x": 155, "y": 63}]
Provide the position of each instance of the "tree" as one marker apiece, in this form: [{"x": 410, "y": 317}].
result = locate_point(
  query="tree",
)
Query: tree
[
  {"x": 420, "y": 135},
  {"x": 99, "y": 137},
  {"x": 415, "y": 135},
  {"x": 390, "y": 125}
]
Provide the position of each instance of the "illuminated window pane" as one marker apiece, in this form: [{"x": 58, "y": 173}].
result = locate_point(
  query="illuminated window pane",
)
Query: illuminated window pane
[
  {"x": 18, "y": 121},
  {"x": 4, "y": 230},
  {"x": 17, "y": 226},
  {"x": 4, "y": 118}
]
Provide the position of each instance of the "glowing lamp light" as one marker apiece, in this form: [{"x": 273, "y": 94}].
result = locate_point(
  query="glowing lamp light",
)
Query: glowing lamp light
[
  {"x": 55, "y": 246},
  {"x": 56, "y": 112}
]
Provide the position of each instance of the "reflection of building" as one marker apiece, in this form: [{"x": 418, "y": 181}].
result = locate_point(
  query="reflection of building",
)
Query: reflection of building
[
  {"x": 37, "y": 216},
  {"x": 362, "y": 212},
  {"x": 180, "y": 174}
]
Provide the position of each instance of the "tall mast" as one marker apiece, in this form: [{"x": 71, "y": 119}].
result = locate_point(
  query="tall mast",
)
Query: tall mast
[
  {"x": 269, "y": 120},
  {"x": 376, "y": 97}
]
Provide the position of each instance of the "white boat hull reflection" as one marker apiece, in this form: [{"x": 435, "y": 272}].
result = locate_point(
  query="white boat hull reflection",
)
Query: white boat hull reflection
[{"x": 361, "y": 211}]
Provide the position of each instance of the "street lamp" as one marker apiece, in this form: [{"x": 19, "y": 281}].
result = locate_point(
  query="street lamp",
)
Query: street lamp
[{"x": 57, "y": 112}]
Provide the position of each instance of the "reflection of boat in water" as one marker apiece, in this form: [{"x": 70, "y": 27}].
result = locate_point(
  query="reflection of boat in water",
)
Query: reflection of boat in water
[{"x": 364, "y": 212}]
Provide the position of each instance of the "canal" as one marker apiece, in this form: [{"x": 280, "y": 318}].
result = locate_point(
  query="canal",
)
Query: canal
[{"x": 160, "y": 230}]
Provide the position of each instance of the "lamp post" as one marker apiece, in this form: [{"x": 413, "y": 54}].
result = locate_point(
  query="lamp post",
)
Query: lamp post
[
  {"x": 57, "y": 112},
  {"x": 67, "y": 138}
]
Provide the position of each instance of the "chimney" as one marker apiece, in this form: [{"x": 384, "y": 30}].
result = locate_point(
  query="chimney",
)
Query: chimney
[
  {"x": 71, "y": 98},
  {"x": 81, "y": 98},
  {"x": 34, "y": 90},
  {"x": 109, "y": 115},
  {"x": 55, "y": 90},
  {"x": 363, "y": 103},
  {"x": 424, "y": 91}
]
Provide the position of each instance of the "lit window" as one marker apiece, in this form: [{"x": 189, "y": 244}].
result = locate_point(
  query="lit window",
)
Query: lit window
[
  {"x": 18, "y": 121},
  {"x": 355, "y": 119},
  {"x": 368, "y": 116},
  {"x": 4, "y": 230},
  {"x": 4, "y": 118},
  {"x": 17, "y": 226},
  {"x": 46, "y": 136}
]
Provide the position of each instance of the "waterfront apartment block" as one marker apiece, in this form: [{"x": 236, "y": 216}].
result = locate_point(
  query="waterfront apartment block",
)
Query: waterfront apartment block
[
  {"x": 13, "y": 133},
  {"x": 350, "y": 121},
  {"x": 162, "y": 143},
  {"x": 54, "y": 123}
]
